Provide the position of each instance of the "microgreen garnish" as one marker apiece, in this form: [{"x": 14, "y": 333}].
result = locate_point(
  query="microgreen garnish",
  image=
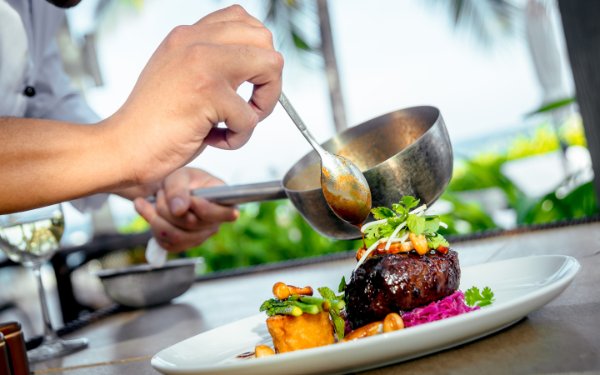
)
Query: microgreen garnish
[
  {"x": 475, "y": 298},
  {"x": 395, "y": 224},
  {"x": 404, "y": 217},
  {"x": 342, "y": 286},
  {"x": 335, "y": 312}
]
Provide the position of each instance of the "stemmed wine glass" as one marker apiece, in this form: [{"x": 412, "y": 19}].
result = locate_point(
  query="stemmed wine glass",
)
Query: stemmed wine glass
[{"x": 31, "y": 238}]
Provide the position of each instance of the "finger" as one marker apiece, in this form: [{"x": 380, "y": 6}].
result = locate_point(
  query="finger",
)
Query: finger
[
  {"x": 264, "y": 98},
  {"x": 258, "y": 66},
  {"x": 213, "y": 213},
  {"x": 145, "y": 209},
  {"x": 163, "y": 210},
  {"x": 235, "y": 13},
  {"x": 263, "y": 68},
  {"x": 243, "y": 63},
  {"x": 238, "y": 33},
  {"x": 175, "y": 240},
  {"x": 159, "y": 227},
  {"x": 197, "y": 217},
  {"x": 201, "y": 178},
  {"x": 148, "y": 212},
  {"x": 240, "y": 119},
  {"x": 177, "y": 192},
  {"x": 236, "y": 63},
  {"x": 187, "y": 221},
  {"x": 170, "y": 237}
]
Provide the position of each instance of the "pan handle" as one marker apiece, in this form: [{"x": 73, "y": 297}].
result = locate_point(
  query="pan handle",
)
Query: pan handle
[{"x": 229, "y": 195}]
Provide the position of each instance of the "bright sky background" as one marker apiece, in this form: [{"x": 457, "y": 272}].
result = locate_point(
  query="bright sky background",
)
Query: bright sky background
[{"x": 392, "y": 54}]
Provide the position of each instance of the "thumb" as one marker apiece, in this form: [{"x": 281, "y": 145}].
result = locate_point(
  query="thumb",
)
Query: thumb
[{"x": 177, "y": 192}]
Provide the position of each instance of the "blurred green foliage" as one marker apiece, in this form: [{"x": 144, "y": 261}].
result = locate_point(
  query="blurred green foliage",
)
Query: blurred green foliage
[
  {"x": 579, "y": 203},
  {"x": 465, "y": 217},
  {"x": 274, "y": 231},
  {"x": 484, "y": 171},
  {"x": 265, "y": 232}
]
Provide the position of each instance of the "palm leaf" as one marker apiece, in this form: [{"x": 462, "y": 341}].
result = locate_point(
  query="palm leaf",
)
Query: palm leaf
[{"x": 486, "y": 20}]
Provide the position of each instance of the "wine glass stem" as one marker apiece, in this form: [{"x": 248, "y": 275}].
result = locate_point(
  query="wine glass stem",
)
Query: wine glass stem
[{"x": 49, "y": 333}]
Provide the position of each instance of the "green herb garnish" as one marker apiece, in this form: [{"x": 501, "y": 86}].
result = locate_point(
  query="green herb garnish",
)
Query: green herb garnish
[
  {"x": 342, "y": 286},
  {"x": 475, "y": 298},
  {"x": 335, "y": 311},
  {"x": 297, "y": 305},
  {"x": 404, "y": 217}
]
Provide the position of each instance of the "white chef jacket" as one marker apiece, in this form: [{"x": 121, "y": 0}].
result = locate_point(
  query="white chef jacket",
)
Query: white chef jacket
[{"x": 29, "y": 56}]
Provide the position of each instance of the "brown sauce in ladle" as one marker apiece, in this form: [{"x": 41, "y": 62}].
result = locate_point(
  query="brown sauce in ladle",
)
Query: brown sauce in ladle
[{"x": 349, "y": 199}]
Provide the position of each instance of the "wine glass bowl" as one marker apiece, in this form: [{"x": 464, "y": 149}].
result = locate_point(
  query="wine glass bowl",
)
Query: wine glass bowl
[{"x": 31, "y": 238}]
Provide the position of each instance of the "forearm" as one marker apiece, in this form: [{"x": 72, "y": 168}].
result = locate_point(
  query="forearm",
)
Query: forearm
[
  {"x": 46, "y": 161},
  {"x": 188, "y": 87}
]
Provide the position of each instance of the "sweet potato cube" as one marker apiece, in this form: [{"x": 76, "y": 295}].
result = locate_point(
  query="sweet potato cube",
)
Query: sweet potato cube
[{"x": 291, "y": 333}]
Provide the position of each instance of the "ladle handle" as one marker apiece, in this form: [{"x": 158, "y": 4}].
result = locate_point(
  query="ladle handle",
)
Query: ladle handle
[
  {"x": 229, "y": 195},
  {"x": 291, "y": 111}
]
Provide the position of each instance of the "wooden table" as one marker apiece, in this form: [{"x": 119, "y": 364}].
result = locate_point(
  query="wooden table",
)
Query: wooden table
[{"x": 563, "y": 336}]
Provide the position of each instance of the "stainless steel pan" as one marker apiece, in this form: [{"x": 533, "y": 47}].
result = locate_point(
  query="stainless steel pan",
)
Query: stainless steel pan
[{"x": 406, "y": 152}]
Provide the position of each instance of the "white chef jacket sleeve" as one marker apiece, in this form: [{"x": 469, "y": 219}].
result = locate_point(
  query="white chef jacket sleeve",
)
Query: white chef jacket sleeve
[{"x": 57, "y": 99}]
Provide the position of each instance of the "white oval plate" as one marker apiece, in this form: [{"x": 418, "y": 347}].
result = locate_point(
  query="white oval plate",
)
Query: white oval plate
[{"x": 520, "y": 285}]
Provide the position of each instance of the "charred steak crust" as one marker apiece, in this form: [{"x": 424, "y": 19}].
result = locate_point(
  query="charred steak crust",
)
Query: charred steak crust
[{"x": 399, "y": 282}]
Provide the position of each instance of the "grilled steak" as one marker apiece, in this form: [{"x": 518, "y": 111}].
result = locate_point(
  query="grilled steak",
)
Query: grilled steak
[{"x": 399, "y": 282}]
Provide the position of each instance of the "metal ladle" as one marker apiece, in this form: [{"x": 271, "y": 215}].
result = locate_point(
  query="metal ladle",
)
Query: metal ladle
[
  {"x": 345, "y": 188},
  {"x": 404, "y": 152}
]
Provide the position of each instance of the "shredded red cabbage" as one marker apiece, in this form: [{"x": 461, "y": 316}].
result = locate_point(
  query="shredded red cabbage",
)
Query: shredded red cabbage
[{"x": 451, "y": 305}]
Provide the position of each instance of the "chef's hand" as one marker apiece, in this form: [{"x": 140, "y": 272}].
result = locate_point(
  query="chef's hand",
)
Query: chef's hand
[
  {"x": 179, "y": 220},
  {"x": 189, "y": 87}
]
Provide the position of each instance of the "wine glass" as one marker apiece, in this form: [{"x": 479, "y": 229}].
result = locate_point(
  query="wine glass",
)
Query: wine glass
[{"x": 31, "y": 238}]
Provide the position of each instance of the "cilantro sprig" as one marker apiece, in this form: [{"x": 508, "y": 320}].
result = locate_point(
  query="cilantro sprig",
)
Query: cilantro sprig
[
  {"x": 473, "y": 297},
  {"x": 410, "y": 217}
]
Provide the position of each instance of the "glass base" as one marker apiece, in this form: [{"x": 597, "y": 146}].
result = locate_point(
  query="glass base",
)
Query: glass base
[{"x": 52, "y": 348}]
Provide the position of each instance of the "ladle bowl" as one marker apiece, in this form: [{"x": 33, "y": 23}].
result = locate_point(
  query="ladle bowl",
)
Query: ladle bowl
[{"x": 406, "y": 152}]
